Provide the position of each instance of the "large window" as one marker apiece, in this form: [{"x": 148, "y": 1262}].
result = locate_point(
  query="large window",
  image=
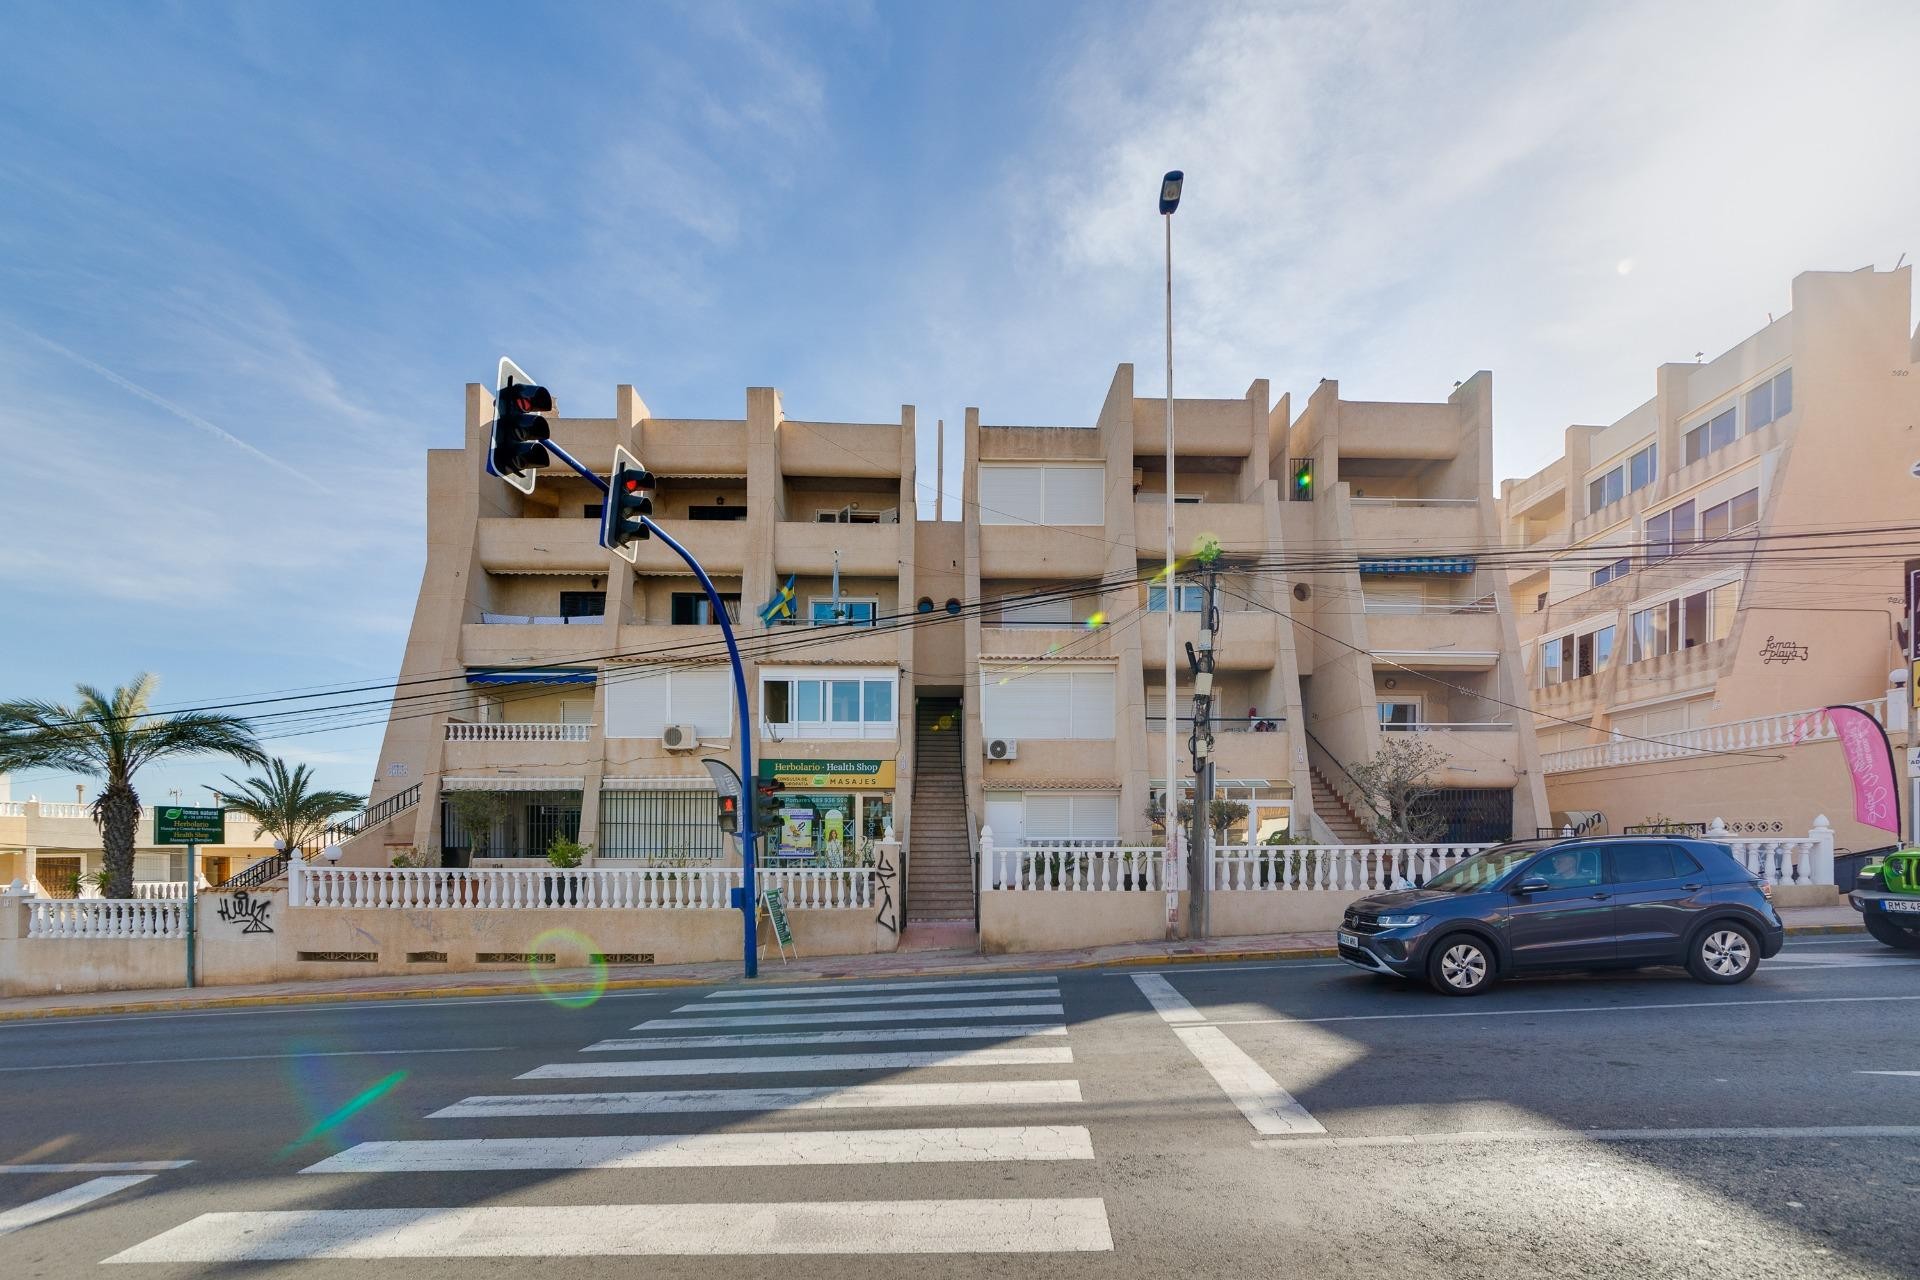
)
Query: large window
[
  {"x": 1053, "y": 817},
  {"x": 583, "y": 604},
  {"x": 1608, "y": 572},
  {"x": 1576, "y": 654},
  {"x": 1670, "y": 532},
  {"x": 1022, "y": 702},
  {"x": 1186, "y": 599},
  {"x": 1036, "y": 609},
  {"x": 1683, "y": 623},
  {"x": 1634, "y": 474},
  {"x": 1716, "y": 432},
  {"x": 827, "y": 705},
  {"x": 643, "y": 705},
  {"x": 846, "y": 611},
  {"x": 1723, "y": 518},
  {"x": 1771, "y": 399},
  {"x": 1043, "y": 495},
  {"x": 658, "y": 824},
  {"x": 692, "y": 609}
]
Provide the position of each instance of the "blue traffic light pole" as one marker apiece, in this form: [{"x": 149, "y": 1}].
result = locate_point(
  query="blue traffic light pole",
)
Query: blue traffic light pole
[{"x": 749, "y": 899}]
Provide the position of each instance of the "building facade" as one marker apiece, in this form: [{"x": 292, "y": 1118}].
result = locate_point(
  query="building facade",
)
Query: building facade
[{"x": 1699, "y": 578}]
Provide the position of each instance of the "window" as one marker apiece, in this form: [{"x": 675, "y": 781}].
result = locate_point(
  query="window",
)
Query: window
[
  {"x": 1607, "y": 490},
  {"x": 593, "y": 510},
  {"x": 651, "y": 824},
  {"x": 1641, "y": 470},
  {"x": 1771, "y": 399},
  {"x": 692, "y": 609},
  {"x": 1398, "y": 717},
  {"x": 1670, "y": 532},
  {"x": 642, "y": 706},
  {"x": 827, "y": 705},
  {"x": 1074, "y": 495},
  {"x": 1186, "y": 599},
  {"x": 717, "y": 512},
  {"x": 1735, "y": 513},
  {"x": 1020, "y": 702},
  {"x": 1640, "y": 863},
  {"x": 1570, "y": 657},
  {"x": 1684, "y": 623},
  {"x": 1602, "y": 648},
  {"x": 1021, "y": 611},
  {"x": 1568, "y": 868},
  {"x": 846, "y": 611},
  {"x": 1608, "y": 572},
  {"x": 583, "y": 604},
  {"x": 1052, "y": 817},
  {"x": 1716, "y": 432}
]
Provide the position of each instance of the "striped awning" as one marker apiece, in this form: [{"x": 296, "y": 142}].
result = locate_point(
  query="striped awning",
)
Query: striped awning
[
  {"x": 530, "y": 675},
  {"x": 516, "y": 783},
  {"x": 656, "y": 784},
  {"x": 1419, "y": 564}
]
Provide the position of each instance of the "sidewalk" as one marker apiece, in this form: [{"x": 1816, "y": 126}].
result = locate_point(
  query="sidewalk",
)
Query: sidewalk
[{"x": 899, "y": 964}]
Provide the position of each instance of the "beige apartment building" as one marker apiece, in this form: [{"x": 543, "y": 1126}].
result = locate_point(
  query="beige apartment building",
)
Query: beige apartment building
[
  {"x": 1698, "y": 578},
  {"x": 932, "y": 677}
]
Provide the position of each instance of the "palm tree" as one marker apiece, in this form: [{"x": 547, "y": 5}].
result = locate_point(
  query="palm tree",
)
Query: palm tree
[
  {"x": 281, "y": 806},
  {"x": 108, "y": 737}
]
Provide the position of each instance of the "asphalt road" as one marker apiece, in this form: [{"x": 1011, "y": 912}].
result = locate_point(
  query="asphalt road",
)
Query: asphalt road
[{"x": 1285, "y": 1119}]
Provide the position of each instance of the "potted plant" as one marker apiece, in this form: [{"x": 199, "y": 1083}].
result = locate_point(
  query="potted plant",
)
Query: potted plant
[{"x": 565, "y": 854}]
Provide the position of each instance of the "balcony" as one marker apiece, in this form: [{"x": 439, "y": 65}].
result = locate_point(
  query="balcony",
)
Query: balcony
[
  {"x": 517, "y": 731},
  {"x": 514, "y": 744},
  {"x": 1024, "y": 641},
  {"x": 1043, "y": 551},
  {"x": 509, "y": 544},
  {"x": 1377, "y": 429},
  {"x": 866, "y": 550},
  {"x": 1416, "y": 526},
  {"x": 493, "y": 644},
  {"x": 801, "y": 642},
  {"x": 1239, "y": 526},
  {"x": 868, "y": 450},
  {"x": 1203, "y": 428},
  {"x": 1479, "y": 753},
  {"x": 1238, "y": 752},
  {"x": 687, "y": 447},
  {"x": 1249, "y": 640},
  {"x": 1459, "y": 637}
]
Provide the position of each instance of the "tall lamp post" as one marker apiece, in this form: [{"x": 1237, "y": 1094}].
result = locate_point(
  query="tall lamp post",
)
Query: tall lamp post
[{"x": 1170, "y": 803}]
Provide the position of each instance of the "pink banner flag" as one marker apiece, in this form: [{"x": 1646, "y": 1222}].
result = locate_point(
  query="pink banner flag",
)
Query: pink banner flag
[{"x": 1876, "y": 801}]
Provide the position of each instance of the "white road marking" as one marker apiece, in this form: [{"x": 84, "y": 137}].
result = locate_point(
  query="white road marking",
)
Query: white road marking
[
  {"x": 1887, "y": 1073},
  {"x": 254, "y": 1057},
  {"x": 1267, "y": 1107},
  {"x": 854, "y": 1015},
  {"x": 856, "y": 1097},
  {"x": 66, "y": 1201},
  {"x": 837, "y": 988},
  {"x": 1167, "y": 1002},
  {"x": 1597, "y": 1008},
  {"x": 717, "y": 1150},
  {"x": 862, "y": 1035},
  {"x": 824, "y": 1002},
  {"x": 996, "y": 1057},
  {"x": 101, "y": 1166},
  {"x": 1813, "y": 1133},
  {"x": 623, "y": 1230}
]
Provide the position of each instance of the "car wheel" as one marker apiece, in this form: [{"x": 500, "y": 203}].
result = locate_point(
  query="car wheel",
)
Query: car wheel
[
  {"x": 1460, "y": 965},
  {"x": 1725, "y": 953},
  {"x": 1892, "y": 934}
]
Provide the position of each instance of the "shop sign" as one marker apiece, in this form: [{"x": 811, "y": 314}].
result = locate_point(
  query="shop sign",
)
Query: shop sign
[{"x": 828, "y": 775}]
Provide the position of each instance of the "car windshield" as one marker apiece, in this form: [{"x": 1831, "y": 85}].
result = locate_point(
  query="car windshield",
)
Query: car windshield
[{"x": 1482, "y": 869}]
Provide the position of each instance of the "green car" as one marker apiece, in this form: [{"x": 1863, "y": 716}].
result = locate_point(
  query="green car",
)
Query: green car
[{"x": 1887, "y": 896}]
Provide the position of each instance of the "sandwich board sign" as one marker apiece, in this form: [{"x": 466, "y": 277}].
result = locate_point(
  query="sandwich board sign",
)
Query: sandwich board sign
[{"x": 774, "y": 902}]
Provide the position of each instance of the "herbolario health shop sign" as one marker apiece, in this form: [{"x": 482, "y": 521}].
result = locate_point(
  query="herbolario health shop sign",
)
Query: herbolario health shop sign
[{"x": 828, "y": 775}]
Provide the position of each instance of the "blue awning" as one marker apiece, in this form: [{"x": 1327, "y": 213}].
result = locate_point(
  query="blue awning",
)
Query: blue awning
[
  {"x": 1419, "y": 564},
  {"x": 530, "y": 675}
]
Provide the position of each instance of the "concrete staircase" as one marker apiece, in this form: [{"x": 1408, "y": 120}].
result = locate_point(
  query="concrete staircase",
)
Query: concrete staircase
[
  {"x": 939, "y": 859},
  {"x": 1334, "y": 812}
]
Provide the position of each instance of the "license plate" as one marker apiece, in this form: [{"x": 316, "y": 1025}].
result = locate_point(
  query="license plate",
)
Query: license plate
[
  {"x": 1348, "y": 939},
  {"x": 1894, "y": 905}
]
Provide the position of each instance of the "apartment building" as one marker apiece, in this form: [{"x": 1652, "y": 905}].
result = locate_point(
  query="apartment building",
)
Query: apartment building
[
  {"x": 930, "y": 677},
  {"x": 1692, "y": 581}
]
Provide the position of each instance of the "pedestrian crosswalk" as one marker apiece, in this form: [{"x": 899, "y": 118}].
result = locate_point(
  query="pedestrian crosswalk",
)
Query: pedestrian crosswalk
[{"x": 992, "y": 1053}]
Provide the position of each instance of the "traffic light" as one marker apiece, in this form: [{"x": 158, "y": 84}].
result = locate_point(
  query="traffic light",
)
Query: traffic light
[
  {"x": 629, "y": 503},
  {"x": 518, "y": 445},
  {"x": 729, "y": 813},
  {"x": 766, "y": 809}
]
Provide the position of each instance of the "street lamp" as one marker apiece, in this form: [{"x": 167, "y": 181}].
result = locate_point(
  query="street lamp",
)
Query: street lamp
[{"x": 1170, "y": 804}]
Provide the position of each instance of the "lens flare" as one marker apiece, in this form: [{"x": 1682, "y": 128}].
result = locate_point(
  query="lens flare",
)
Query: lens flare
[
  {"x": 1096, "y": 619},
  {"x": 556, "y": 940},
  {"x": 346, "y": 1111}
]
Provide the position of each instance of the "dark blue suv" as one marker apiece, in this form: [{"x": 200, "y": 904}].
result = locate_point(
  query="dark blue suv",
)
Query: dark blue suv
[{"x": 1593, "y": 902}]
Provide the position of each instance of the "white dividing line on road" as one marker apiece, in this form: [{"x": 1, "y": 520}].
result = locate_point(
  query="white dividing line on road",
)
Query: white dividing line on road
[
  {"x": 802, "y": 1063},
  {"x": 1596, "y": 1008},
  {"x": 1818, "y": 1133},
  {"x": 1887, "y": 1073},
  {"x": 254, "y": 1057},
  {"x": 1267, "y": 1107},
  {"x": 837, "y": 988},
  {"x": 856, "y": 1097},
  {"x": 629, "y": 1230},
  {"x": 863, "y": 1035},
  {"x": 717, "y": 1150},
  {"x": 99, "y": 1166},
  {"x": 67, "y": 1201},
  {"x": 824, "y": 1002},
  {"x": 855, "y": 1015}
]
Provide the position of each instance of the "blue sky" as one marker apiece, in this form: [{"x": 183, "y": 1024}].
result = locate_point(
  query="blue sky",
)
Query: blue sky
[{"x": 250, "y": 255}]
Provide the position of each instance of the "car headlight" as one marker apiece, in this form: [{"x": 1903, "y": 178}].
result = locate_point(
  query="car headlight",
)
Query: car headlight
[{"x": 1400, "y": 922}]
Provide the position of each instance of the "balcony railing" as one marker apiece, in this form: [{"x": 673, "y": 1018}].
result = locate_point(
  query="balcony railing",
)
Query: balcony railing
[
  {"x": 1224, "y": 724},
  {"x": 1784, "y": 729},
  {"x": 1416, "y": 502},
  {"x": 347, "y": 828},
  {"x": 1452, "y": 726},
  {"x": 518, "y": 731},
  {"x": 1392, "y": 607},
  {"x": 522, "y": 620}
]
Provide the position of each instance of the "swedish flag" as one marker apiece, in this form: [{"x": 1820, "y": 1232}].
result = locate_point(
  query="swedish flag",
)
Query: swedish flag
[{"x": 781, "y": 606}]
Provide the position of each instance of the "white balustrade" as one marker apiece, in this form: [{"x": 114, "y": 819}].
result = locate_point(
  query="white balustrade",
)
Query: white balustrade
[
  {"x": 1800, "y": 860},
  {"x": 581, "y": 888},
  {"x": 51, "y": 809},
  {"x": 105, "y": 918},
  {"x": 1075, "y": 869},
  {"x": 13, "y": 808},
  {"x": 161, "y": 890},
  {"x": 1330, "y": 867},
  {"x": 1785, "y": 729},
  {"x": 526, "y": 731}
]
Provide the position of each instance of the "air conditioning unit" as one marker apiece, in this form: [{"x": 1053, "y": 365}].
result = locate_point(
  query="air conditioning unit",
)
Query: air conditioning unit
[
  {"x": 679, "y": 737},
  {"x": 1002, "y": 749}
]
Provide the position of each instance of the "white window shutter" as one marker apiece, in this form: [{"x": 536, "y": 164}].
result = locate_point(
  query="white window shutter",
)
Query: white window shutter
[
  {"x": 1011, "y": 495},
  {"x": 1049, "y": 815},
  {"x": 1076, "y": 495},
  {"x": 636, "y": 705},
  {"x": 1096, "y": 816},
  {"x": 1092, "y": 709},
  {"x": 704, "y": 699},
  {"x": 1037, "y": 611}
]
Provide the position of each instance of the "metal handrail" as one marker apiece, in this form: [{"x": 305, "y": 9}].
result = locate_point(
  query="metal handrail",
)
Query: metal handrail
[
  {"x": 268, "y": 868},
  {"x": 372, "y": 815}
]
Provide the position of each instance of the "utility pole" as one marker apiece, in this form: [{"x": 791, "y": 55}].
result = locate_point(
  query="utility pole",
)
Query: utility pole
[
  {"x": 1170, "y": 186},
  {"x": 1200, "y": 659}
]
